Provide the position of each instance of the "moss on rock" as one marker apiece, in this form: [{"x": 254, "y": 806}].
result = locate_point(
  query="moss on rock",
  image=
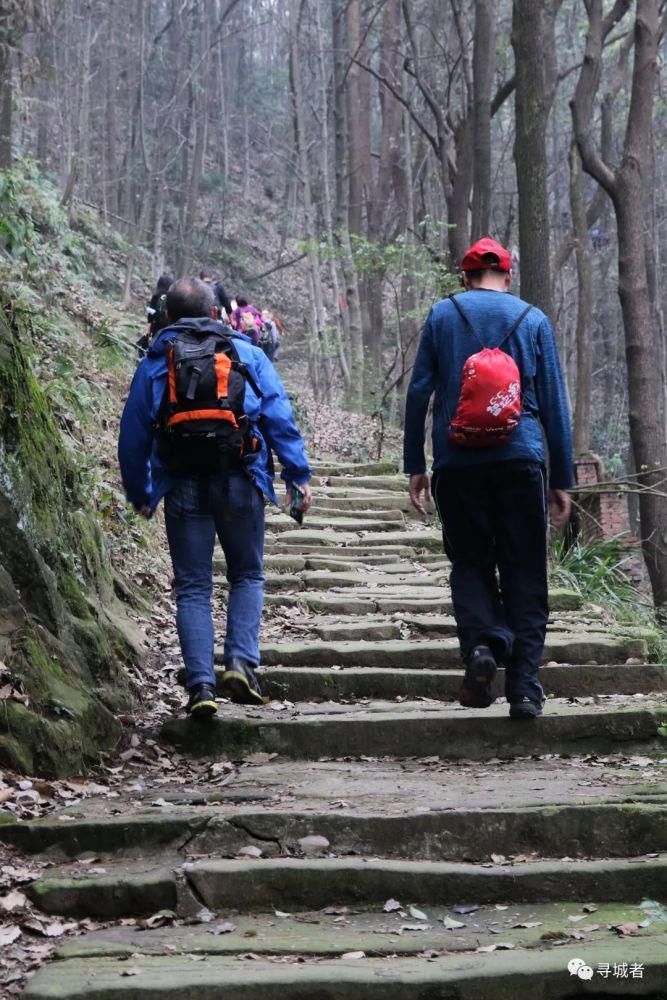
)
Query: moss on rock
[{"x": 60, "y": 645}]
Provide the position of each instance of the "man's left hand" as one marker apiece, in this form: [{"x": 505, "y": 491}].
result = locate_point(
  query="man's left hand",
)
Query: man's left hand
[{"x": 307, "y": 501}]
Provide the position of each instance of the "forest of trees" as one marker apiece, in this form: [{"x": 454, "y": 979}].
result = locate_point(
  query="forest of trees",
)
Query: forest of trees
[{"x": 386, "y": 135}]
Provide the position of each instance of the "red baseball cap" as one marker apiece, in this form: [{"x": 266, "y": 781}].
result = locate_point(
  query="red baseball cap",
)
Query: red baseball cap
[{"x": 485, "y": 255}]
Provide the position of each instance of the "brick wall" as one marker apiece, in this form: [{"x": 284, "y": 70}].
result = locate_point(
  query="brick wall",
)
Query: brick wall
[{"x": 602, "y": 515}]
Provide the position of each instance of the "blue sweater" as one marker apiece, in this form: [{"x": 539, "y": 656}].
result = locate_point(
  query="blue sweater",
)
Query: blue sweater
[
  {"x": 146, "y": 480},
  {"x": 446, "y": 343}
]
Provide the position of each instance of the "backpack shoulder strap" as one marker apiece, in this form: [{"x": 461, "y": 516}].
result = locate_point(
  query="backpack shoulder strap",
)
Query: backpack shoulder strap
[
  {"x": 454, "y": 301},
  {"x": 515, "y": 325}
]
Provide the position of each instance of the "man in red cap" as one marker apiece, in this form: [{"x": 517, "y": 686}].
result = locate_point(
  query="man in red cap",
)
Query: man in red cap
[{"x": 492, "y": 362}]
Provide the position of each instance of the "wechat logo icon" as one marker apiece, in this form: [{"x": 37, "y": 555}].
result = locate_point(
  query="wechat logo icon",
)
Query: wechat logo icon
[{"x": 577, "y": 967}]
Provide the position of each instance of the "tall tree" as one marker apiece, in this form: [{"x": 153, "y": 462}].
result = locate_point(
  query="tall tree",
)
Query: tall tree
[
  {"x": 483, "y": 71},
  {"x": 534, "y": 43},
  {"x": 626, "y": 186}
]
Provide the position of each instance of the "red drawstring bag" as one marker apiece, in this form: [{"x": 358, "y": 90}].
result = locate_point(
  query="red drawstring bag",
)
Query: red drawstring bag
[{"x": 489, "y": 404}]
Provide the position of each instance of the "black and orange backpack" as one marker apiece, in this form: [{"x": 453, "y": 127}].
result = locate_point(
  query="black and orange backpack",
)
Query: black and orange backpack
[{"x": 202, "y": 425}]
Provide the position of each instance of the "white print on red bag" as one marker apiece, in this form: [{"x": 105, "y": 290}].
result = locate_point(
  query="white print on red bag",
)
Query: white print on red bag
[{"x": 503, "y": 399}]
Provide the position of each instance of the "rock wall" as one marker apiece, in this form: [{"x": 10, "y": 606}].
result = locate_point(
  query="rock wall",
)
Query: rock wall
[{"x": 63, "y": 640}]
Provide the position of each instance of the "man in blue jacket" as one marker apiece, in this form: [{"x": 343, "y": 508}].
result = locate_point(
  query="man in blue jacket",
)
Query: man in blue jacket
[
  {"x": 229, "y": 503},
  {"x": 493, "y": 502}
]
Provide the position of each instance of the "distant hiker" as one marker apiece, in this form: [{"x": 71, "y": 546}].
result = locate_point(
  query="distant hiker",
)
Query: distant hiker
[
  {"x": 223, "y": 300},
  {"x": 269, "y": 338},
  {"x": 492, "y": 408},
  {"x": 156, "y": 313},
  {"x": 248, "y": 320},
  {"x": 190, "y": 432}
]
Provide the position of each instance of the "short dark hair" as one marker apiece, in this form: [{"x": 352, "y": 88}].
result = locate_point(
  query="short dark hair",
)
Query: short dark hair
[
  {"x": 164, "y": 282},
  {"x": 189, "y": 297},
  {"x": 474, "y": 277},
  {"x": 241, "y": 301}
]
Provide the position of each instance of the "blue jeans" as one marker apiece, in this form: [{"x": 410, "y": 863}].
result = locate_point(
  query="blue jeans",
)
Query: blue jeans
[{"x": 196, "y": 510}]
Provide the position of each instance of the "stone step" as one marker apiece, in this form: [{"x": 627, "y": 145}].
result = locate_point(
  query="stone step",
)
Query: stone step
[
  {"x": 559, "y": 681},
  {"x": 372, "y": 500},
  {"x": 354, "y": 550},
  {"x": 497, "y": 976},
  {"x": 428, "y": 539},
  {"x": 306, "y": 732},
  {"x": 422, "y": 808},
  {"x": 332, "y": 515},
  {"x": 391, "y": 484},
  {"x": 327, "y": 933},
  {"x": 355, "y": 601},
  {"x": 395, "y": 583},
  {"x": 293, "y": 562},
  {"x": 370, "y": 627},
  {"x": 434, "y": 653},
  {"x": 260, "y": 885},
  {"x": 382, "y": 468},
  {"x": 280, "y": 523},
  {"x": 326, "y": 580}
]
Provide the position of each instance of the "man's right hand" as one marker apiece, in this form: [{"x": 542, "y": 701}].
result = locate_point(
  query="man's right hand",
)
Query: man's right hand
[
  {"x": 421, "y": 482},
  {"x": 560, "y": 505}
]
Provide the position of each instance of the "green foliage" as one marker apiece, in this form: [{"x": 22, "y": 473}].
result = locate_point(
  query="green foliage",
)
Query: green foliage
[{"x": 599, "y": 571}]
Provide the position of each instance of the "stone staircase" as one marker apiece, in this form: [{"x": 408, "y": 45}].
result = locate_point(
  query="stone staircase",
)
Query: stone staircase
[{"x": 378, "y": 840}]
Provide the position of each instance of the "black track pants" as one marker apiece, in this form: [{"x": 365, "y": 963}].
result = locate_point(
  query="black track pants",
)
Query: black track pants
[{"x": 494, "y": 518}]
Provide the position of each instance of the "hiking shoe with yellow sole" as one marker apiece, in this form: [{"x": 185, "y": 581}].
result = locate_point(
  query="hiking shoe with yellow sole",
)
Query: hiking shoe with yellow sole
[
  {"x": 202, "y": 703},
  {"x": 240, "y": 683}
]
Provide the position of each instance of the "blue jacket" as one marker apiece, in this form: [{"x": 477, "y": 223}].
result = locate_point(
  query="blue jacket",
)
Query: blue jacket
[
  {"x": 446, "y": 343},
  {"x": 146, "y": 480}
]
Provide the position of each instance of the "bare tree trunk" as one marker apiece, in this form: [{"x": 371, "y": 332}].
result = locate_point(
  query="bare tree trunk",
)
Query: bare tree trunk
[
  {"x": 200, "y": 126},
  {"x": 483, "y": 69},
  {"x": 318, "y": 343},
  {"x": 351, "y": 304},
  {"x": 582, "y": 409},
  {"x": 627, "y": 187},
  {"x": 6, "y": 86},
  {"x": 534, "y": 47},
  {"x": 338, "y": 327}
]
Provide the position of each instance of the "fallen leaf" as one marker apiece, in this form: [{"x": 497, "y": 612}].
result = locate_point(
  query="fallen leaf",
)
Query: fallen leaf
[
  {"x": 575, "y": 917},
  {"x": 417, "y": 914},
  {"x": 8, "y": 934},
  {"x": 528, "y": 924},
  {"x": 452, "y": 925},
  {"x": 486, "y": 949},
  {"x": 14, "y": 900},
  {"x": 353, "y": 955},
  {"x": 283, "y": 916},
  {"x": 466, "y": 908},
  {"x": 226, "y": 927},
  {"x": 391, "y": 906},
  {"x": 313, "y": 844},
  {"x": 259, "y": 758},
  {"x": 589, "y": 908},
  {"x": 627, "y": 930},
  {"x": 498, "y": 858},
  {"x": 250, "y": 851}
]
